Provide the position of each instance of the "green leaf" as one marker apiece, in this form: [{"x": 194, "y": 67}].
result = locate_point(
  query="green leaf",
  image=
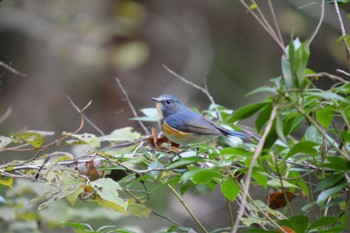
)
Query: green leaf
[
  {"x": 298, "y": 56},
  {"x": 200, "y": 175},
  {"x": 323, "y": 196},
  {"x": 52, "y": 196},
  {"x": 262, "y": 89},
  {"x": 325, "y": 116},
  {"x": 303, "y": 147},
  {"x": 329, "y": 181},
  {"x": 186, "y": 161},
  {"x": 312, "y": 134},
  {"x": 260, "y": 178},
  {"x": 286, "y": 71},
  {"x": 297, "y": 222},
  {"x": 7, "y": 182},
  {"x": 253, "y": 6},
  {"x": 291, "y": 123},
  {"x": 122, "y": 135},
  {"x": 151, "y": 115},
  {"x": 34, "y": 137},
  {"x": 279, "y": 128},
  {"x": 259, "y": 206},
  {"x": 326, "y": 95},
  {"x": 108, "y": 196},
  {"x": 78, "y": 225},
  {"x": 230, "y": 188},
  {"x": 87, "y": 138},
  {"x": 337, "y": 163},
  {"x": 324, "y": 221},
  {"x": 277, "y": 184},
  {"x": 70, "y": 180},
  {"x": 247, "y": 111},
  {"x": 263, "y": 117}
]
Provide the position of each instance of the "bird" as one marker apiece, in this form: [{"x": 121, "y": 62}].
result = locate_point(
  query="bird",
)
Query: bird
[{"x": 184, "y": 126}]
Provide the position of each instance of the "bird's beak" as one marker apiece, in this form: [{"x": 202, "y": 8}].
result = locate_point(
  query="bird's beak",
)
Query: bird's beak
[{"x": 155, "y": 99}]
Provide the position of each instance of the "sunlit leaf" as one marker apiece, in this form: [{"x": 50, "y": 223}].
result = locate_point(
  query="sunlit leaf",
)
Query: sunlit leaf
[
  {"x": 7, "y": 182},
  {"x": 329, "y": 181},
  {"x": 138, "y": 209},
  {"x": 87, "y": 138},
  {"x": 312, "y": 134},
  {"x": 4, "y": 141},
  {"x": 324, "y": 195},
  {"x": 325, "y": 116},
  {"x": 121, "y": 135},
  {"x": 150, "y": 115},
  {"x": 277, "y": 184},
  {"x": 108, "y": 196},
  {"x": 54, "y": 195},
  {"x": 34, "y": 137},
  {"x": 303, "y": 147},
  {"x": 230, "y": 188},
  {"x": 69, "y": 180}
]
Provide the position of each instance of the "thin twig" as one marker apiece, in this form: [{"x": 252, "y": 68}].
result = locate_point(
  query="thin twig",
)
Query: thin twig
[
  {"x": 319, "y": 22},
  {"x": 343, "y": 72},
  {"x": 5, "y": 115},
  {"x": 261, "y": 22},
  {"x": 153, "y": 212},
  {"x": 343, "y": 32},
  {"x": 54, "y": 143},
  {"x": 187, "y": 208},
  {"x": 325, "y": 74},
  {"x": 204, "y": 90},
  {"x": 85, "y": 117},
  {"x": 131, "y": 106},
  {"x": 251, "y": 166},
  {"x": 264, "y": 20},
  {"x": 9, "y": 68},
  {"x": 275, "y": 21}
]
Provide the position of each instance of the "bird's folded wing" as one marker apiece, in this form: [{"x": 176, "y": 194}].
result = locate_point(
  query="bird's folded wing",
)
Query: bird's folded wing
[{"x": 203, "y": 127}]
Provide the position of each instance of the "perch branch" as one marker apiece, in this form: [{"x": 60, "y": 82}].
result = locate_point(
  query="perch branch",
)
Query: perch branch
[
  {"x": 131, "y": 106},
  {"x": 204, "y": 90}
]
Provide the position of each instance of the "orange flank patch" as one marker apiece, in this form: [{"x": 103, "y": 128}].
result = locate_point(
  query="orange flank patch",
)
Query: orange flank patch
[{"x": 170, "y": 131}]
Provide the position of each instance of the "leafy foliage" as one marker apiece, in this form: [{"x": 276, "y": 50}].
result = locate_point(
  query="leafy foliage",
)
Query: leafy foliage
[{"x": 304, "y": 155}]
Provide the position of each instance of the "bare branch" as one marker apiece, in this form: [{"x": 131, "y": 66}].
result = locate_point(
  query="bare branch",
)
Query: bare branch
[
  {"x": 343, "y": 32},
  {"x": 343, "y": 72},
  {"x": 267, "y": 28},
  {"x": 131, "y": 106},
  {"x": 319, "y": 22},
  {"x": 331, "y": 76},
  {"x": 275, "y": 21},
  {"x": 204, "y": 90},
  {"x": 9, "y": 68},
  {"x": 85, "y": 117},
  {"x": 251, "y": 166}
]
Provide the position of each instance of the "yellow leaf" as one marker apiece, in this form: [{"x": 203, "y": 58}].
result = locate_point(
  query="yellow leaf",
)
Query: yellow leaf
[
  {"x": 108, "y": 196},
  {"x": 138, "y": 209},
  {"x": 7, "y": 182},
  {"x": 109, "y": 204}
]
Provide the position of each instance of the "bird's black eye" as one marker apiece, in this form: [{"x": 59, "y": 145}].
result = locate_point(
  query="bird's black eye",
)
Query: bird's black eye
[{"x": 168, "y": 102}]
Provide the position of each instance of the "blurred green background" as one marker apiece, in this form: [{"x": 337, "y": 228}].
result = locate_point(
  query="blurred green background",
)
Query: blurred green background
[{"x": 77, "y": 48}]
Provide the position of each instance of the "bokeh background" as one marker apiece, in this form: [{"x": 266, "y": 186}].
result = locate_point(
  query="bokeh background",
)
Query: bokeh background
[{"x": 77, "y": 48}]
